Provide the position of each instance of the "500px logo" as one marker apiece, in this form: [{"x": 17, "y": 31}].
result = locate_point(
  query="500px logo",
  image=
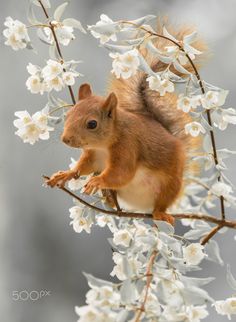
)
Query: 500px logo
[{"x": 29, "y": 295}]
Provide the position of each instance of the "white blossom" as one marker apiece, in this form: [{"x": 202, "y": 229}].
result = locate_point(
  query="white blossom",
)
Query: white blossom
[
  {"x": 226, "y": 307},
  {"x": 156, "y": 83},
  {"x": 80, "y": 222},
  {"x": 55, "y": 83},
  {"x": 107, "y": 34},
  {"x": 222, "y": 117},
  {"x": 64, "y": 33},
  {"x": 188, "y": 222},
  {"x": 16, "y": 34},
  {"x": 187, "y": 314},
  {"x": 104, "y": 220},
  {"x": 32, "y": 128},
  {"x": 89, "y": 313},
  {"x": 76, "y": 212},
  {"x": 152, "y": 305},
  {"x": 34, "y": 84},
  {"x": 193, "y": 254},
  {"x": 69, "y": 78},
  {"x": 122, "y": 237},
  {"x": 171, "y": 315},
  {"x": 104, "y": 296},
  {"x": 176, "y": 53},
  {"x": 221, "y": 189},
  {"x": 52, "y": 70},
  {"x": 213, "y": 99},
  {"x": 51, "y": 77},
  {"x": 118, "y": 269},
  {"x": 196, "y": 313},
  {"x": 194, "y": 129},
  {"x": 172, "y": 292},
  {"x": 125, "y": 65},
  {"x": 186, "y": 103}
]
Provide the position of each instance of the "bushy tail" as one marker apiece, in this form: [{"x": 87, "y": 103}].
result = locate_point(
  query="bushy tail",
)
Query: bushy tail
[{"x": 134, "y": 94}]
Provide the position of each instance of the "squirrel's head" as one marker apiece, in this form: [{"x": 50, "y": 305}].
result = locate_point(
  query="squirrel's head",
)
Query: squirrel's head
[{"x": 90, "y": 122}]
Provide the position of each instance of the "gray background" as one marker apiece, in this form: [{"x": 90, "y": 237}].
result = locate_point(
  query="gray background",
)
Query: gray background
[{"x": 39, "y": 250}]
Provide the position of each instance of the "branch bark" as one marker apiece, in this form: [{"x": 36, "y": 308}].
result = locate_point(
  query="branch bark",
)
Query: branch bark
[
  {"x": 148, "y": 283},
  {"x": 139, "y": 215},
  {"x": 211, "y": 234}
]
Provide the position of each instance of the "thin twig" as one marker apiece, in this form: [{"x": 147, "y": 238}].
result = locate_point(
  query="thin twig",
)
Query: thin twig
[
  {"x": 51, "y": 26},
  {"x": 148, "y": 284},
  {"x": 211, "y": 234},
  {"x": 126, "y": 214},
  {"x": 59, "y": 108}
]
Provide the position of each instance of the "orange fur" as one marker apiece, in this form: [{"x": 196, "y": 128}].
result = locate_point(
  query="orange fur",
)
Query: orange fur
[{"x": 138, "y": 147}]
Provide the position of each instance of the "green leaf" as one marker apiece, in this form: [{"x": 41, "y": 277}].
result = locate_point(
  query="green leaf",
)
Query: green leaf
[
  {"x": 46, "y": 3},
  {"x": 59, "y": 11},
  {"x": 194, "y": 281},
  {"x": 144, "y": 66},
  {"x": 133, "y": 42},
  {"x": 43, "y": 37},
  {"x": 122, "y": 316},
  {"x": 158, "y": 53},
  {"x": 128, "y": 292},
  {"x": 117, "y": 49},
  {"x": 195, "y": 234},
  {"x": 97, "y": 282},
  {"x": 74, "y": 23},
  {"x": 31, "y": 15},
  {"x": 180, "y": 68},
  {"x": 225, "y": 153},
  {"x": 188, "y": 39},
  {"x": 143, "y": 20},
  {"x": 213, "y": 251},
  {"x": 168, "y": 35},
  {"x": 230, "y": 278},
  {"x": 165, "y": 227},
  {"x": 196, "y": 296},
  {"x": 53, "y": 52}
]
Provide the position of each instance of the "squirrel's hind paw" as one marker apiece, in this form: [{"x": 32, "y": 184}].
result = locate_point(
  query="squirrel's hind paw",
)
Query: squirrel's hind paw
[{"x": 164, "y": 217}]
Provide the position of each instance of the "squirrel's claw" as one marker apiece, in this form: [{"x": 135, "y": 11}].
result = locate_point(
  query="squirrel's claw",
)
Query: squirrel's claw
[
  {"x": 61, "y": 177},
  {"x": 94, "y": 184}
]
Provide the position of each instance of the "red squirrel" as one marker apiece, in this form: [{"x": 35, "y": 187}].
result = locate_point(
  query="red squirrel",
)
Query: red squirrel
[{"x": 134, "y": 139}]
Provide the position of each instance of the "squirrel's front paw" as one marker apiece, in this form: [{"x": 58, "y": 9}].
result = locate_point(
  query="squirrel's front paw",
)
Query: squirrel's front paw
[
  {"x": 61, "y": 177},
  {"x": 94, "y": 184}
]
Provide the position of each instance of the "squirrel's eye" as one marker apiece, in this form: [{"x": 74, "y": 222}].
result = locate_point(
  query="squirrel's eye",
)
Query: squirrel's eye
[{"x": 92, "y": 124}]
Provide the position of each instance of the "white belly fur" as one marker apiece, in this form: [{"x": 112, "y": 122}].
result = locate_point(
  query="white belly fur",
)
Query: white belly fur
[{"x": 141, "y": 193}]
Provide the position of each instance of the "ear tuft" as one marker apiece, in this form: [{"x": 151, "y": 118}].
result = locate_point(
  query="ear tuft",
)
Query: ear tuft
[
  {"x": 110, "y": 105},
  {"x": 84, "y": 91}
]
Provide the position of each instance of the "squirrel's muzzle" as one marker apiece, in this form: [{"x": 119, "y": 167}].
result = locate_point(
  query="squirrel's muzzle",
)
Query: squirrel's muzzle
[{"x": 68, "y": 140}]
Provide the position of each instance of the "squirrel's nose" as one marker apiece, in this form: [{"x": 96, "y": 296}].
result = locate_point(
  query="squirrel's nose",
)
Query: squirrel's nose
[{"x": 67, "y": 140}]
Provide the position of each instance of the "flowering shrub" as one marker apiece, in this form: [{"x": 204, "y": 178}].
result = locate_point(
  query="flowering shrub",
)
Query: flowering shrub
[{"x": 151, "y": 261}]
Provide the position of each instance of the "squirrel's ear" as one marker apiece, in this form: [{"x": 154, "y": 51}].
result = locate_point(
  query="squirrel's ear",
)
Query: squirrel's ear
[
  {"x": 84, "y": 91},
  {"x": 110, "y": 105}
]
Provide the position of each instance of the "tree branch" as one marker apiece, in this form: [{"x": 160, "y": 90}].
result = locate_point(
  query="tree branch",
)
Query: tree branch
[
  {"x": 211, "y": 234},
  {"x": 149, "y": 280},
  {"x": 121, "y": 213}
]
